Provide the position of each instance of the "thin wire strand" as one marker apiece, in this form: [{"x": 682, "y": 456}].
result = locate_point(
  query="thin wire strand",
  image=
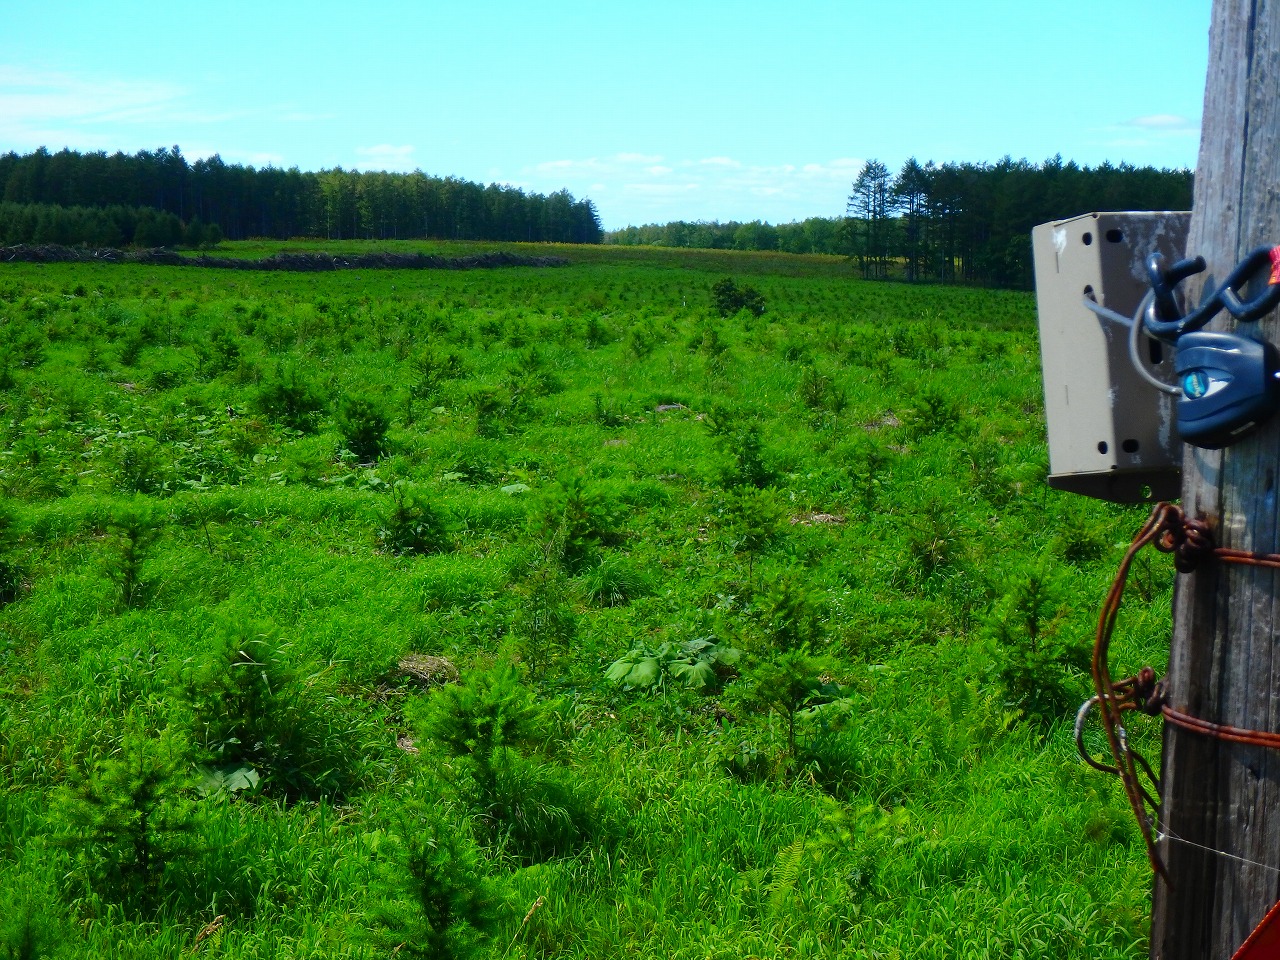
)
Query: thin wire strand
[
  {"x": 1135, "y": 326},
  {"x": 1167, "y": 834}
]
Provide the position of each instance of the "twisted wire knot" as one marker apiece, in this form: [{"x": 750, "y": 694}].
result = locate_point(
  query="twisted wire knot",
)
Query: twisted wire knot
[{"x": 1187, "y": 540}]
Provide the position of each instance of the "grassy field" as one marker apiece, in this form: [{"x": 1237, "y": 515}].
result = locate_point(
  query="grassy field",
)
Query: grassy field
[{"x": 769, "y": 631}]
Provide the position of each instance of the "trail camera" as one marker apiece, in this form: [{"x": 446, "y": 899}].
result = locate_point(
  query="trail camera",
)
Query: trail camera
[{"x": 1111, "y": 432}]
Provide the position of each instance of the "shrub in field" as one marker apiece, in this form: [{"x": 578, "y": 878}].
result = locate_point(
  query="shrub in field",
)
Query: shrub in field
[
  {"x": 790, "y": 681},
  {"x": 475, "y": 461},
  {"x": 255, "y": 719},
  {"x": 728, "y": 298},
  {"x": 867, "y": 460},
  {"x": 8, "y": 364},
  {"x": 790, "y": 614},
  {"x": 29, "y": 927},
  {"x": 11, "y": 569},
  {"x": 642, "y": 340},
  {"x": 739, "y": 437},
  {"x": 934, "y": 412},
  {"x": 532, "y": 376},
  {"x": 537, "y": 811},
  {"x": 574, "y": 520},
  {"x": 137, "y": 338},
  {"x": 833, "y": 755},
  {"x": 363, "y": 423},
  {"x": 432, "y": 368},
  {"x": 606, "y": 412},
  {"x": 412, "y": 527},
  {"x": 140, "y": 466},
  {"x": 1082, "y": 540},
  {"x": 491, "y": 724},
  {"x": 128, "y": 820},
  {"x": 490, "y": 712},
  {"x": 496, "y": 409},
  {"x": 1037, "y": 667},
  {"x": 134, "y": 530},
  {"x": 754, "y": 521},
  {"x": 544, "y": 625},
  {"x": 432, "y": 898},
  {"x": 819, "y": 392},
  {"x": 219, "y": 354},
  {"x": 289, "y": 396},
  {"x": 709, "y": 342},
  {"x": 932, "y": 543},
  {"x": 34, "y": 473},
  {"x": 95, "y": 360},
  {"x": 166, "y": 374}
]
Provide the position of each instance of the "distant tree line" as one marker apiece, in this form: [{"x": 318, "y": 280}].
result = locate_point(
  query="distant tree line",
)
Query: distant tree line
[
  {"x": 244, "y": 202},
  {"x": 114, "y": 226},
  {"x": 815, "y": 235},
  {"x": 954, "y": 223}
]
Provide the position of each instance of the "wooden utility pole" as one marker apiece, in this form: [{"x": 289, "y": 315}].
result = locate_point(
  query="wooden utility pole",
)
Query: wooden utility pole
[{"x": 1224, "y": 663}]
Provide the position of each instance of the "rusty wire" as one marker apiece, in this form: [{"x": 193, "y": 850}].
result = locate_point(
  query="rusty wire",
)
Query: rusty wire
[
  {"x": 1113, "y": 699},
  {"x": 1189, "y": 541}
]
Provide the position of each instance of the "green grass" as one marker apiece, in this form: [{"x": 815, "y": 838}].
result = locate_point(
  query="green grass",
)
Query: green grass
[{"x": 166, "y": 500}]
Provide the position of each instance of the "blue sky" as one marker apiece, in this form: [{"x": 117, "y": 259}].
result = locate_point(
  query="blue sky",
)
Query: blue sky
[{"x": 656, "y": 110}]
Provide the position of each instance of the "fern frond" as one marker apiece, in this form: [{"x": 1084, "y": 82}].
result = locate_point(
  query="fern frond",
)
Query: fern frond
[{"x": 786, "y": 872}]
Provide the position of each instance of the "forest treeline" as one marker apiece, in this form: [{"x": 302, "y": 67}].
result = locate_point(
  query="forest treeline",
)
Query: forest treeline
[
  {"x": 953, "y": 223},
  {"x": 114, "y": 226},
  {"x": 240, "y": 202}
]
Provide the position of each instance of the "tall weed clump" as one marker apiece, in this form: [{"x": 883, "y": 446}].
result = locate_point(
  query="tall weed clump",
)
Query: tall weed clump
[
  {"x": 615, "y": 580},
  {"x": 259, "y": 722}
]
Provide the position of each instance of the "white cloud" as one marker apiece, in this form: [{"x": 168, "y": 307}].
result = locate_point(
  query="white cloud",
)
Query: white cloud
[
  {"x": 44, "y": 108},
  {"x": 660, "y": 189},
  {"x": 384, "y": 156},
  {"x": 1154, "y": 131},
  {"x": 28, "y": 95},
  {"x": 1162, "y": 121},
  {"x": 633, "y": 188}
]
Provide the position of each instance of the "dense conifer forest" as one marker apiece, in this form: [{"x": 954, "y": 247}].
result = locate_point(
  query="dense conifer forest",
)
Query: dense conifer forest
[
  {"x": 954, "y": 223},
  {"x": 269, "y": 202},
  {"x": 951, "y": 223}
]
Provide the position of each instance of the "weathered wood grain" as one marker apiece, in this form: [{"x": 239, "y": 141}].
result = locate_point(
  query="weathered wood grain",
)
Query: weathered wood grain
[{"x": 1222, "y": 663}]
